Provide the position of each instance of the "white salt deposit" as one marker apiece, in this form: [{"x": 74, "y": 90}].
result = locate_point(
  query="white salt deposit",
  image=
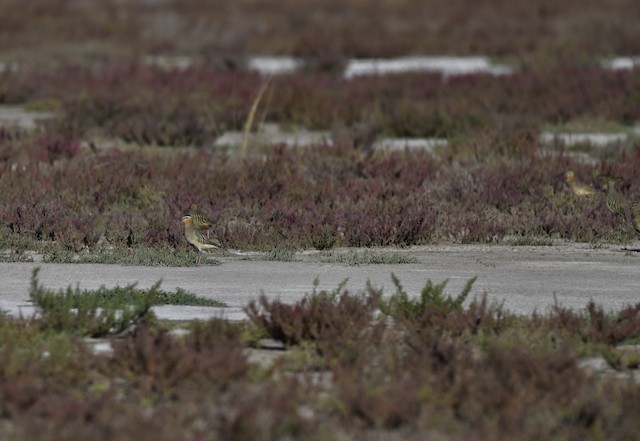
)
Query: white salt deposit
[{"x": 447, "y": 66}]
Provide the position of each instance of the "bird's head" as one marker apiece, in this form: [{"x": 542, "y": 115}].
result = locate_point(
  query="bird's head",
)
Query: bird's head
[
  {"x": 186, "y": 220},
  {"x": 569, "y": 175}
]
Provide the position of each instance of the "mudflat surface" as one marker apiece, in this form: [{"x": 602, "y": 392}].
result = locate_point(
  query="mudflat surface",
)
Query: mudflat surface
[{"x": 524, "y": 278}]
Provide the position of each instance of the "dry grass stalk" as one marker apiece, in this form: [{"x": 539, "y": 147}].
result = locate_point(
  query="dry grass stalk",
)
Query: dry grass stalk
[{"x": 252, "y": 114}]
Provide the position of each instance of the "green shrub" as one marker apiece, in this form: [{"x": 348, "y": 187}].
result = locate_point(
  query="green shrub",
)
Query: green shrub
[
  {"x": 432, "y": 296},
  {"x": 92, "y": 313}
]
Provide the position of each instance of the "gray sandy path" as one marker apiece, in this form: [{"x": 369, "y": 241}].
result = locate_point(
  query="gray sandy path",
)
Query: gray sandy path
[{"x": 524, "y": 278}]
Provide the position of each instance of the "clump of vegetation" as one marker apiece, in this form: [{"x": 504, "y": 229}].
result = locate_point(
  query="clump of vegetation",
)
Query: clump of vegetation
[
  {"x": 326, "y": 239},
  {"x": 401, "y": 305},
  {"x": 94, "y": 314},
  {"x": 461, "y": 367},
  {"x": 145, "y": 256},
  {"x": 279, "y": 255},
  {"x": 105, "y": 311},
  {"x": 320, "y": 315},
  {"x": 126, "y": 207},
  {"x": 452, "y": 367},
  {"x": 198, "y": 104},
  {"x": 598, "y": 326},
  {"x": 367, "y": 257}
]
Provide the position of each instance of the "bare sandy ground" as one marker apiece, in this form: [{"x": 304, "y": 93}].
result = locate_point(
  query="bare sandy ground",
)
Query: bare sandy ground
[{"x": 524, "y": 278}]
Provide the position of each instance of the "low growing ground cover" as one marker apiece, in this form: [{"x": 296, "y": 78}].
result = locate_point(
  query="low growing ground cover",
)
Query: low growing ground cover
[
  {"x": 363, "y": 365},
  {"x": 58, "y": 199},
  {"x": 147, "y": 105},
  {"x": 359, "y": 365},
  {"x": 70, "y": 194},
  {"x": 541, "y": 31}
]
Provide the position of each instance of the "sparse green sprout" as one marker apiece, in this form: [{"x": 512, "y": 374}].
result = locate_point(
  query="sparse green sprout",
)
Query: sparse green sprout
[
  {"x": 186, "y": 298},
  {"x": 324, "y": 295},
  {"x": 367, "y": 257},
  {"x": 280, "y": 255}
]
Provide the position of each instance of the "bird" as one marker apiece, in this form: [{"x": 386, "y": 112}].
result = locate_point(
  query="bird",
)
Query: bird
[
  {"x": 616, "y": 202},
  {"x": 199, "y": 220},
  {"x": 199, "y": 242},
  {"x": 577, "y": 188}
]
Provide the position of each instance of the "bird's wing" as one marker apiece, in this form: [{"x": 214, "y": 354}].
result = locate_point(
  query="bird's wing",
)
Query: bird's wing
[{"x": 208, "y": 241}]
